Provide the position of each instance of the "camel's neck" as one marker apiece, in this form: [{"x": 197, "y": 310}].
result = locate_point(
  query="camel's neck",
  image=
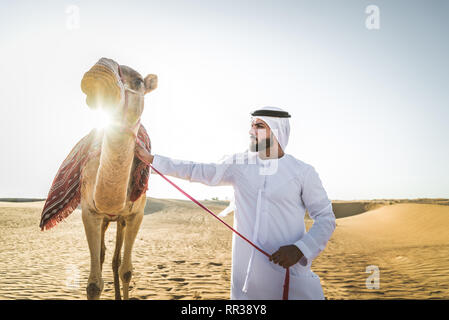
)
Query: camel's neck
[{"x": 116, "y": 160}]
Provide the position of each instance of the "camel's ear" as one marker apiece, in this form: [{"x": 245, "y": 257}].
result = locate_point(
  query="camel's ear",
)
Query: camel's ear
[{"x": 150, "y": 83}]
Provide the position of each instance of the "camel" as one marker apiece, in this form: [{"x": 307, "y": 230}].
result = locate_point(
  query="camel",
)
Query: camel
[{"x": 105, "y": 189}]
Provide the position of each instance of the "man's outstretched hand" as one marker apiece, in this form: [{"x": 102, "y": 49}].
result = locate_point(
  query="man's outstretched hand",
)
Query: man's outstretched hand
[
  {"x": 287, "y": 256},
  {"x": 143, "y": 154}
]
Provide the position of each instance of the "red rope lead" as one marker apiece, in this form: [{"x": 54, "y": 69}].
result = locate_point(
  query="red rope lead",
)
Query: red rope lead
[
  {"x": 287, "y": 272},
  {"x": 286, "y": 284},
  {"x": 213, "y": 214}
]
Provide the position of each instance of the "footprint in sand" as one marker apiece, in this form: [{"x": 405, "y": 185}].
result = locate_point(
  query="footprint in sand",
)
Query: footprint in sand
[
  {"x": 161, "y": 266},
  {"x": 217, "y": 264},
  {"x": 179, "y": 261}
]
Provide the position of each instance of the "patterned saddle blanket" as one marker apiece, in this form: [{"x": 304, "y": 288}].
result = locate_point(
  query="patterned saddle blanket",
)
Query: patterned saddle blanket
[{"x": 65, "y": 192}]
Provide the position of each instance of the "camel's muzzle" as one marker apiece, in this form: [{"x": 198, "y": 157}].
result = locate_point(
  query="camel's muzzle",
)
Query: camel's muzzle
[{"x": 101, "y": 87}]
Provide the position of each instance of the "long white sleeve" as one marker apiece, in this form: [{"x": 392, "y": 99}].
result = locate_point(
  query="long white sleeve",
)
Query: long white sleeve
[
  {"x": 212, "y": 174},
  {"x": 320, "y": 210}
]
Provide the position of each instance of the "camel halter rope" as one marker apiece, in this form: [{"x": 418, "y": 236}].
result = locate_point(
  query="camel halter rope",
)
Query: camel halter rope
[{"x": 125, "y": 128}]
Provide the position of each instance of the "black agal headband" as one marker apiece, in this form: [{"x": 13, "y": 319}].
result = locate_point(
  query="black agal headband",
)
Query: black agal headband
[{"x": 271, "y": 113}]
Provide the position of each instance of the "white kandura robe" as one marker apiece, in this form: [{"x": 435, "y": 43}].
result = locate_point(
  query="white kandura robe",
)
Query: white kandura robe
[{"x": 271, "y": 197}]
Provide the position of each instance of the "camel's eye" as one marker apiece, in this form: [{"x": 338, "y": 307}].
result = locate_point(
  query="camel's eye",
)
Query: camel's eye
[{"x": 138, "y": 83}]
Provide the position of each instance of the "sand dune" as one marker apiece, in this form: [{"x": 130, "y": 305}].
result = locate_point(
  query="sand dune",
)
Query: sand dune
[
  {"x": 344, "y": 208},
  {"x": 411, "y": 224},
  {"x": 408, "y": 242},
  {"x": 183, "y": 253}
]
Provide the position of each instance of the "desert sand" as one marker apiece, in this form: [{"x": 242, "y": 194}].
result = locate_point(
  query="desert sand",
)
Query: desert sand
[{"x": 181, "y": 252}]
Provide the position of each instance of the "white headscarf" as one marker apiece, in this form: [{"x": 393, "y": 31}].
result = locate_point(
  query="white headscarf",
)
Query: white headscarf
[
  {"x": 279, "y": 126},
  {"x": 281, "y": 131}
]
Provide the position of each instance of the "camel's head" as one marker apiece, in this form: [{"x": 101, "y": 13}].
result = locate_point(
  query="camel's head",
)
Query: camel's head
[{"x": 117, "y": 90}]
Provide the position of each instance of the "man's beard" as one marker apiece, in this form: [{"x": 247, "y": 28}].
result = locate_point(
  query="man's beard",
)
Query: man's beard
[{"x": 256, "y": 145}]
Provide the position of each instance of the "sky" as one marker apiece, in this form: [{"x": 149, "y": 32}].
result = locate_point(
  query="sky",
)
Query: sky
[{"x": 368, "y": 91}]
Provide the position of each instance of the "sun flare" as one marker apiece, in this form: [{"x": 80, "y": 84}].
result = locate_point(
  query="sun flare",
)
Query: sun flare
[{"x": 102, "y": 118}]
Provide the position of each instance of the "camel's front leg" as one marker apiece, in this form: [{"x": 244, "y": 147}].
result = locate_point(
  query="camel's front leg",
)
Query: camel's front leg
[
  {"x": 92, "y": 226},
  {"x": 104, "y": 227},
  {"x": 116, "y": 260},
  {"x": 132, "y": 227}
]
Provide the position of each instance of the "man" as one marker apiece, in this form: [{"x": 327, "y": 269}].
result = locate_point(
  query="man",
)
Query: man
[{"x": 272, "y": 190}]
